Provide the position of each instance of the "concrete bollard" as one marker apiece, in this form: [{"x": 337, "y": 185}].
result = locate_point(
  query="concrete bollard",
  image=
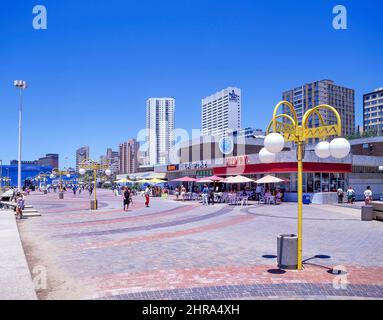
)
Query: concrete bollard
[
  {"x": 367, "y": 213},
  {"x": 287, "y": 248}
]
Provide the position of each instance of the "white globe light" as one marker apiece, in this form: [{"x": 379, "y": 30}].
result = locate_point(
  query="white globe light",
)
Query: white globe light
[
  {"x": 68, "y": 175},
  {"x": 380, "y": 168},
  {"x": 52, "y": 176},
  {"x": 108, "y": 172},
  {"x": 274, "y": 142},
  {"x": 266, "y": 157},
  {"x": 82, "y": 171},
  {"x": 340, "y": 148},
  {"x": 322, "y": 149}
]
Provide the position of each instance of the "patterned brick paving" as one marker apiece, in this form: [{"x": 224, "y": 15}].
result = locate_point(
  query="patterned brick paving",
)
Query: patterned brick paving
[{"x": 176, "y": 250}]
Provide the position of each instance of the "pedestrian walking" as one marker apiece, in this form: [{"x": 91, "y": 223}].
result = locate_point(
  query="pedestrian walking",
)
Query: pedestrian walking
[
  {"x": 211, "y": 196},
  {"x": 20, "y": 204},
  {"x": 126, "y": 195},
  {"x": 340, "y": 195},
  {"x": 350, "y": 195},
  {"x": 147, "y": 196},
  {"x": 205, "y": 195},
  {"x": 368, "y": 196}
]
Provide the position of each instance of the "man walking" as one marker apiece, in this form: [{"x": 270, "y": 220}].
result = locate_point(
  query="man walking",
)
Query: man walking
[{"x": 147, "y": 196}]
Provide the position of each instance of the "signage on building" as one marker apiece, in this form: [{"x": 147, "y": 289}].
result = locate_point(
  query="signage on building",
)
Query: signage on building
[
  {"x": 195, "y": 165},
  {"x": 173, "y": 167},
  {"x": 226, "y": 145},
  {"x": 237, "y": 161},
  {"x": 233, "y": 97}
]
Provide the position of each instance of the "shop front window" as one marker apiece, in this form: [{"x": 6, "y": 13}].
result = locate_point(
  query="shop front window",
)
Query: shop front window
[
  {"x": 325, "y": 182},
  {"x": 317, "y": 183},
  {"x": 310, "y": 182}
]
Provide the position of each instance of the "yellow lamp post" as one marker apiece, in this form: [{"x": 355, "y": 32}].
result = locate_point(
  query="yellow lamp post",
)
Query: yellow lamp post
[
  {"x": 291, "y": 130},
  {"x": 95, "y": 166},
  {"x": 60, "y": 173}
]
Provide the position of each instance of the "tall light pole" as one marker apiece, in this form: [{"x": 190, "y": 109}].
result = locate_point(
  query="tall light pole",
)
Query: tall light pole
[
  {"x": 291, "y": 130},
  {"x": 94, "y": 166},
  {"x": 21, "y": 85}
]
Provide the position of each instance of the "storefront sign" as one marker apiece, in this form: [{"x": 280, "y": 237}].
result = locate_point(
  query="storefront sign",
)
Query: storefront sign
[
  {"x": 195, "y": 165},
  {"x": 173, "y": 167},
  {"x": 237, "y": 161}
]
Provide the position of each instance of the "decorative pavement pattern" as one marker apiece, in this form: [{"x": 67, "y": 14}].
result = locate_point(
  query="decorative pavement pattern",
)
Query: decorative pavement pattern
[{"x": 183, "y": 250}]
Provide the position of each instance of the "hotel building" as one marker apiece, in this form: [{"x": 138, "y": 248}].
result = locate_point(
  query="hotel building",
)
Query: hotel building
[{"x": 221, "y": 112}]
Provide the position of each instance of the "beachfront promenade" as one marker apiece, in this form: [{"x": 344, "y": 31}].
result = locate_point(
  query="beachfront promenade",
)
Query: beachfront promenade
[{"x": 177, "y": 250}]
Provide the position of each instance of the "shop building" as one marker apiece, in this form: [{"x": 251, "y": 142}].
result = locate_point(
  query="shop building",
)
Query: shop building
[{"x": 321, "y": 179}]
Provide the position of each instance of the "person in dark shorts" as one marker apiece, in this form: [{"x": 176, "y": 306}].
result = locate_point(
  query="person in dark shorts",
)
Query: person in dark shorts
[{"x": 126, "y": 196}]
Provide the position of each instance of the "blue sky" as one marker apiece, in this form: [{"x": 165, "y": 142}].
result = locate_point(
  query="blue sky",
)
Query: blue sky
[{"x": 92, "y": 70}]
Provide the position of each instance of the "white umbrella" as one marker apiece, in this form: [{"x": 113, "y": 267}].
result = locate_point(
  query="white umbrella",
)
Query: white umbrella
[
  {"x": 269, "y": 179},
  {"x": 238, "y": 179}
]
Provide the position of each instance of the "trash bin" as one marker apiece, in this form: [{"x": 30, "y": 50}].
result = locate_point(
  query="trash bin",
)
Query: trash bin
[
  {"x": 367, "y": 213},
  {"x": 287, "y": 249},
  {"x": 61, "y": 195},
  {"x": 93, "y": 205},
  {"x": 306, "y": 199}
]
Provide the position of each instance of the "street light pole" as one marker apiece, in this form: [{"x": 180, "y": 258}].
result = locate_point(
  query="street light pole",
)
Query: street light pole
[
  {"x": 94, "y": 166},
  {"x": 291, "y": 130},
  {"x": 21, "y": 85}
]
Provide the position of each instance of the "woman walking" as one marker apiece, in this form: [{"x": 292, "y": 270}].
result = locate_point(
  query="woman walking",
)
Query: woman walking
[
  {"x": 126, "y": 196},
  {"x": 20, "y": 204}
]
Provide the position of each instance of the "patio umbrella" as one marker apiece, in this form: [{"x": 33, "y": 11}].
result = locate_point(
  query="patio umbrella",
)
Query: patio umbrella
[
  {"x": 204, "y": 180},
  {"x": 269, "y": 179},
  {"x": 143, "y": 181},
  {"x": 157, "y": 181},
  {"x": 238, "y": 179},
  {"x": 124, "y": 181},
  {"x": 185, "y": 179},
  {"x": 215, "y": 178}
]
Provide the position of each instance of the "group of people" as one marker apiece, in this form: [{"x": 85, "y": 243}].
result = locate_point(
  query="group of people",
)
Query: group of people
[
  {"x": 180, "y": 192},
  {"x": 127, "y": 195},
  {"x": 19, "y": 199},
  {"x": 351, "y": 195}
]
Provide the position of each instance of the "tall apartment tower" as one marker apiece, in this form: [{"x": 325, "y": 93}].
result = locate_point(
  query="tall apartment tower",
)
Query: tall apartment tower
[
  {"x": 129, "y": 156},
  {"x": 221, "y": 112},
  {"x": 373, "y": 112},
  {"x": 113, "y": 160},
  {"x": 314, "y": 94},
  {"x": 81, "y": 155},
  {"x": 160, "y": 126}
]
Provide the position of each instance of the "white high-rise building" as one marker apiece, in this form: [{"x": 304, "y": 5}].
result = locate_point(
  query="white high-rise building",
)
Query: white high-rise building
[
  {"x": 221, "y": 112},
  {"x": 160, "y": 125}
]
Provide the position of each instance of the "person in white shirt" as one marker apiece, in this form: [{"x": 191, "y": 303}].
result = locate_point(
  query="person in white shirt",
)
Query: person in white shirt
[
  {"x": 147, "y": 196},
  {"x": 368, "y": 196}
]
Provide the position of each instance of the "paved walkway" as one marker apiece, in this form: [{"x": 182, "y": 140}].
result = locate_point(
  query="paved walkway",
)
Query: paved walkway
[
  {"x": 15, "y": 278},
  {"x": 176, "y": 250}
]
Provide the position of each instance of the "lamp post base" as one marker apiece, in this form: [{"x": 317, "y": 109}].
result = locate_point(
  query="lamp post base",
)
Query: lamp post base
[
  {"x": 61, "y": 195},
  {"x": 93, "y": 205}
]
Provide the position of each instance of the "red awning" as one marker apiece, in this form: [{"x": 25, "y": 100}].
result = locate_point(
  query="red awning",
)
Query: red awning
[{"x": 284, "y": 167}]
